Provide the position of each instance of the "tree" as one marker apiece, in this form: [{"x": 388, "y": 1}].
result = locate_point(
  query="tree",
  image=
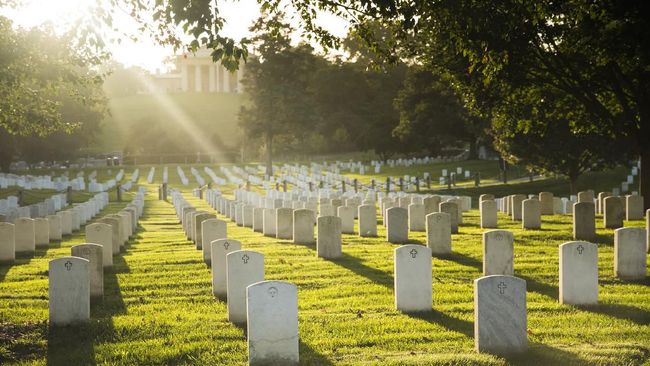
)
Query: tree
[
  {"x": 432, "y": 115},
  {"x": 38, "y": 70},
  {"x": 277, "y": 83},
  {"x": 534, "y": 131}
]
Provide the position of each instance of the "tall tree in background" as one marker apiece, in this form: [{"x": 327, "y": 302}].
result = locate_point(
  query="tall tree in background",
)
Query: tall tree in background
[
  {"x": 433, "y": 116},
  {"x": 277, "y": 82},
  {"x": 38, "y": 72}
]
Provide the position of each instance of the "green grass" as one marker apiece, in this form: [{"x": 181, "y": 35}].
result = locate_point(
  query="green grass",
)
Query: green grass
[{"x": 159, "y": 310}]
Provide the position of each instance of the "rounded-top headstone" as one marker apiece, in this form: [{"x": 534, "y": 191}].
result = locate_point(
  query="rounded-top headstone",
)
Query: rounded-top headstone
[
  {"x": 498, "y": 252},
  {"x": 7, "y": 243},
  {"x": 220, "y": 249},
  {"x": 500, "y": 324},
  {"x": 94, "y": 254},
  {"x": 69, "y": 290},
  {"x": 272, "y": 313}
]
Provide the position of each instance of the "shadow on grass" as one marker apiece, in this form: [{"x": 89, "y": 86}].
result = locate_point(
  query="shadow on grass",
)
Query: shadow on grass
[
  {"x": 531, "y": 284},
  {"x": 309, "y": 356},
  {"x": 355, "y": 265},
  {"x": 449, "y": 322},
  {"x": 603, "y": 239},
  {"x": 623, "y": 312},
  {"x": 541, "y": 354},
  {"x": 74, "y": 345}
]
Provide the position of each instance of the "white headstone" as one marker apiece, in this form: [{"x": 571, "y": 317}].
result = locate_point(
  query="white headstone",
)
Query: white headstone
[
  {"x": 25, "y": 235},
  {"x": 630, "y": 253},
  {"x": 578, "y": 273},
  {"x": 397, "y": 225},
  {"x": 346, "y": 213},
  {"x": 7, "y": 243},
  {"x": 272, "y": 329},
  {"x": 413, "y": 281},
  {"x": 498, "y": 253},
  {"x": 211, "y": 230},
  {"x": 41, "y": 232},
  {"x": 367, "y": 220},
  {"x": 102, "y": 234},
  {"x": 439, "y": 233},
  {"x": 220, "y": 249},
  {"x": 500, "y": 324},
  {"x": 243, "y": 268},
  {"x": 94, "y": 254},
  {"x": 328, "y": 242},
  {"x": 69, "y": 290},
  {"x": 303, "y": 226}
]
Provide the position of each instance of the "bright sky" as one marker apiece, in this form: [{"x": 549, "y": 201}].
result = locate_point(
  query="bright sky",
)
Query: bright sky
[{"x": 239, "y": 15}]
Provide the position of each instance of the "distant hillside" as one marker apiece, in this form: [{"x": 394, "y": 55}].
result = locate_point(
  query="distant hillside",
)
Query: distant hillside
[{"x": 213, "y": 115}]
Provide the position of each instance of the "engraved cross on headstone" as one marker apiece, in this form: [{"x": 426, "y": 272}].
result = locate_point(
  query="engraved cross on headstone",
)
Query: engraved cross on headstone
[
  {"x": 414, "y": 253},
  {"x": 273, "y": 291},
  {"x": 580, "y": 249},
  {"x": 502, "y": 287},
  {"x": 226, "y": 245},
  {"x": 68, "y": 265},
  {"x": 245, "y": 258}
]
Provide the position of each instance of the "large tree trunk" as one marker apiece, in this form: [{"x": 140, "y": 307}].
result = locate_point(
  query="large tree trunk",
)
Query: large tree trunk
[
  {"x": 269, "y": 154},
  {"x": 573, "y": 184},
  {"x": 6, "y": 151},
  {"x": 644, "y": 177},
  {"x": 473, "y": 149}
]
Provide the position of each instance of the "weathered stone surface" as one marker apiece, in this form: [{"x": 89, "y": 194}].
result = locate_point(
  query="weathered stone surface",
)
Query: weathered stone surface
[
  {"x": 367, "y": 221},
  {"x": 601, "y": 201},
  {"x": 498, "y": 253},
  {"x": 284, "y": 223},
  {"x": 416, "y": 217},
  {"x": 102, "y": 234},
  {"x": 198, "y": 228},
  {"x": 115, "y": 229},
  {"x": 584, "y": 221},
  {"x": 69, "y": 290},
  {"x": 247, "y": 216},
  {"x": 634, "y": 207},
  {"x": 272, "y": 329},
  {"x": 211, "y": 230},
  {"x": 94, "y": 254},
  {"x": 613, "y": 213},
  {"x": 268, "y": 222},
  {"x": 25, "y": 236},
  {"x": 328, "y": 241},
  {"x": 579, "y": 273},
  {"x": 346, "y": 214},
  {"x": 431, "y": 204},
  {"x": 220, "y": 249},
  {"x": 630, "y": 253},
  {"x": 486, "y": 197},
  {"x": 586, "y": 196},
  {"x": 516, "y": 200},
  {"x": 258, "y": 219},
  {"x": 397, "y": 229},
  {"x": 66, "y": 222},
  {"x": 303, "y": 226},
  {"x": 451, "y": 208},
  {"x": 500, "y": 324},
  {"x": 413, "y": 281},
  {"x": 326, "y": 210},
  {"x": 439, "y": 233},
  {"x": 244, "y": 268},
  {"x": 546, "y": 203},
  {"x": 488, "y": 211},
  {"x": 41, "y": 232},
  {"x": 7, "y": 242},
  {"x": 531, "y": 214}
]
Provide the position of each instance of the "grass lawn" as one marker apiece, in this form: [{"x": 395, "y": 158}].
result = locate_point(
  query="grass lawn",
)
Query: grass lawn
[{"x": 158, "y": 307}]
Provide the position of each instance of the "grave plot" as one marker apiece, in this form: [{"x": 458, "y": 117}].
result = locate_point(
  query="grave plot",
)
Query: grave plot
[{"x": 161, "y": 293}]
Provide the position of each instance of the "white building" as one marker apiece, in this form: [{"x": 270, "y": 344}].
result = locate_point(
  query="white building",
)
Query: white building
[{"x": 198, "y": 73}]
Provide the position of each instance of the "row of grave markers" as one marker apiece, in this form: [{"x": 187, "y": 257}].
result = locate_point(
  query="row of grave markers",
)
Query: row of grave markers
[
  {"x": 77, "y": 280},
  {"x": 268, "y": 308},
  {"x": 24, "y": 235}
]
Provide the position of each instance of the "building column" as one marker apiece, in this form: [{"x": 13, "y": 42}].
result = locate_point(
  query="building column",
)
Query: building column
[
  {"x": 184, "y": 81},
  {"x": 217, "y": 69},
  {"x": 240, "y": 76},
  {"x": 226, "y": 81},
  {"x": 211, "y": 78},
  {"x": 197, "y": 78}
]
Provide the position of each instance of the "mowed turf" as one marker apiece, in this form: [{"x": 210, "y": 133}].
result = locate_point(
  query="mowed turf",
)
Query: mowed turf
[{"x": 158, "y": 307}]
